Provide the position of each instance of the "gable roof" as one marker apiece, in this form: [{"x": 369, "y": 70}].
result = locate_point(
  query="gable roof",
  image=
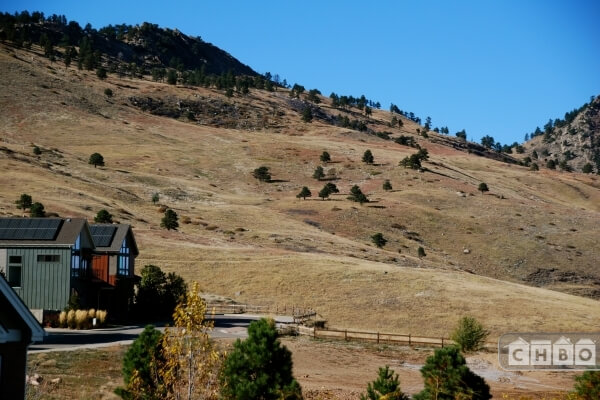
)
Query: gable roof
[
  {"x": 108, "y": 237},
  {"x": 23, "y": 231},
  {"x": 37, "y": 332}
]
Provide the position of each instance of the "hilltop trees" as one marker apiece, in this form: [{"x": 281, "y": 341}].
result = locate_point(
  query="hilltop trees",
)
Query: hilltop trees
[
  {"x": 386, "y": 386},
  {"x": 96, "y": 159},
  {"x": 262, "y": 174},
  {"x": 24, "y": 202},
  {"x": 259, "y": 367},
  {"x": 169, "y": 220},
  {"x": 103, "y": 217},
  {"x": 304, "y": 193},
  {"x": 447, "y": 377},
  {"x": 357, "y": 195}
]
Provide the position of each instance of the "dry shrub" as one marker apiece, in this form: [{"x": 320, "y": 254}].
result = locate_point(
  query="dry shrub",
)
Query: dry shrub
[
  {"x": 81, "y": 319},
  {"x": 162, "y": 208},
  {"x": 62, "y": 319},
  {"x": 101, "y": 316},
  {"x": 91, "y": 313},
  {"x": 71, "y": 319}
]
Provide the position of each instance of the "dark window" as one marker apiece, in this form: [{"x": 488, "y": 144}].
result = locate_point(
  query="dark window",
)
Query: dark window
[
  {"x": 14, "y": 259},
  {"x": 14, "y": 275},
  {"x": 123, "y": 268},
  {"x": 48, "y": 258}
]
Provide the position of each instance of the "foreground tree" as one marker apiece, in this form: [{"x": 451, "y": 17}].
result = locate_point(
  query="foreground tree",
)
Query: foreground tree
[
  {"x": 587, "y": 386},
  {"x": 379, "y": 240},
  {"x": 469, "y": 335},
  {"x": 24, "y": 202},
  {"x": 259, "y": 367},
  {"x": 96, "y": 159},
  {"x": 385, "y": 387},
  {"x": 141, "y": 364},
  {"x": 304, "y": 193},
  {"x": 103, "y": 217},
  {"x": 447, "y": 377},
  {"x": 169, "y": 220},
  {"x": 262, "y": 174},
  {"x": 191, "y": 362}
]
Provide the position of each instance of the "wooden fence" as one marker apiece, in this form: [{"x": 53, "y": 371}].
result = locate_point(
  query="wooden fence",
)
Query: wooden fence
[
  {"x": 299, "y": 314},
  {"x": 375, "y": 337}
]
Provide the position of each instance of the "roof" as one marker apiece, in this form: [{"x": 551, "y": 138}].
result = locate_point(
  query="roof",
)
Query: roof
[
  {"x": 108, "y": 237},
  {"x": 37, "y": 332},
  {"x": 20, "y": 231}
]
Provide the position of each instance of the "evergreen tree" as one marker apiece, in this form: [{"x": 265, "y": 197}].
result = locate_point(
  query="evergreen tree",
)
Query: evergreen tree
[
  {"x": 587, "y": 168},
  {"x": 368, "y": 157},
  {"x": 103, "y": 217},
  {"x": 37, "y": 210},
  {"x": 169, "y": 220},
  {"x": 587, "y": 386},
  {"x": 357, "y": 195},
  {"x": 325, "y": 192},
  {"x": 155, "y": 198},
  {"x": 483, "y": 187},
  {"x": 319, "y": 173},
  {"x": 259, "y": 367},
  {"x": 387, "y": 185},
  {"x": 447, "y": 377},
  {"x": 141, "y": 363},
  {"x": 534, "y": 167},
  {"x": 307, "y": 115},
  {"x": 101, "y": 73},
  {"x": 37, "y": 151},
  {"x": 385, "y": 387},
  {"x": 24, "y": 202},
  {"x": 262, "y": 174},
  {"x": 325, "y": 157},
  {"x": 469, "y": 334},
  {"x": 421, "y": 252},
  {"x": 96, "y": 159},
  {"x": 551, "y": 164},
  {"x": 304, "y": 193},
  {"x": 172, "y": 77},
  {"x": 379, "y": 240},
  {"x": 332, "y": 187}
]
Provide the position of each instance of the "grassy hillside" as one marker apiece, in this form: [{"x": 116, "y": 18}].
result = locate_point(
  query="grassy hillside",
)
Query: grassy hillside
[{"x": 256, "y": 242}]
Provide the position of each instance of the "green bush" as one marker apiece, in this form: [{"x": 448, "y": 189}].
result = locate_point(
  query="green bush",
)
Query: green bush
[{"x": 587, "y": 386}]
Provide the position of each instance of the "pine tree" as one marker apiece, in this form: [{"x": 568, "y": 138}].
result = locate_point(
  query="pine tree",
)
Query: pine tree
[
  {"x": 421, "y": 252},
  {"x": 103, "y": 217},
  {"x": 37, "y": 210},
  {"x": 325, "y": 192},
  {"x": 169, "y": 220},
  {"x": 24, "y": 202},
  {"x": 259, "y": 367},
  {"x": 262, "y": 174},
  {"x": 379, "y": 240},
  {"x": 96, "y": 159},
  {"x": 325, "y": 157},
  {"x": 387, "y": 185},
  {"x": 587, "y": 386},
  {"x": 483, "y": 187},
  {"x": 447, "y": 377},
  {"x": 307, "y": 115},
  {"x": 319, "y": 173},
  {"x": 469, "y": 334},
  {"x": 304, "y": 193},
  {"x": 386, "y": 386},
  {"x": 368, "y": 157},
  {"x": 587, "y": 168},
  {"x": 357, "y": 195}
]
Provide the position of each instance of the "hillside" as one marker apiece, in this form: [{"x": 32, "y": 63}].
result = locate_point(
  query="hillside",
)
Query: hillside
[
  {"x": 569, "y": 144},
  {"x": 256, "y": 242}
]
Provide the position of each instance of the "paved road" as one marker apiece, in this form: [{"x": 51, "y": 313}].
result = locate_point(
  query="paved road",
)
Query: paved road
[{"x": 226, "y": 326}]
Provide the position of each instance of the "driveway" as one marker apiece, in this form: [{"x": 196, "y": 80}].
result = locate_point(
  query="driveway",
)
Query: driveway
[{"x": 58, "y": 339}]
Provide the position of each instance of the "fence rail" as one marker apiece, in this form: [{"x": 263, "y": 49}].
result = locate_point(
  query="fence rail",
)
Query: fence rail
[{"x": 299, "y": 314}]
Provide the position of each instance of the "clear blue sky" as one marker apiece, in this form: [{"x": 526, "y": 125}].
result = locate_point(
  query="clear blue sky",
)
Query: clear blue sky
[{"x": 498, "y": 67}]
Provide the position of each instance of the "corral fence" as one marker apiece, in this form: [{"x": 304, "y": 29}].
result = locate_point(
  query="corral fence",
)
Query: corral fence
[
  {"x": 375, "y": 337},
  {"x": 298, "y": 314}
]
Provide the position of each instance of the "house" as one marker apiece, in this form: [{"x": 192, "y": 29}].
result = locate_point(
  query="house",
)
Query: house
[
  {"x": 46, "y": 260},
  {"x": 113, "y": 264},
  {"x": 18, "y": 329}
]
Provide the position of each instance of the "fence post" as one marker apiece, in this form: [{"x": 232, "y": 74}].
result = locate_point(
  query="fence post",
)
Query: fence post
[
  {"x": 377, "y": 337},
  {"x": 346, "y": 335},
  {"x": 442, "y": 342},
  {"x": 409, "y": 339}
]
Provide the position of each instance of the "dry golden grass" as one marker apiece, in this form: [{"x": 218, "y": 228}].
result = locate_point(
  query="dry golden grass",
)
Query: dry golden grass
[{"x": 258, "y": 241}]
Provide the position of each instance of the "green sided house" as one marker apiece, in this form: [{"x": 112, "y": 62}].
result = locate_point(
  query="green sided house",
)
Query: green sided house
[{"x": 46, "y": 260}]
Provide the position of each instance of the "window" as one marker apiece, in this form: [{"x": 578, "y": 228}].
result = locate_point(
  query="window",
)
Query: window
[
  {"x": 14, "y": 259},
  {"x": 124, "y": 259},
  {"x": 78, "y": 262},
  {"x": 48, "y": 258},
  {"x": 14, "y": 275}
]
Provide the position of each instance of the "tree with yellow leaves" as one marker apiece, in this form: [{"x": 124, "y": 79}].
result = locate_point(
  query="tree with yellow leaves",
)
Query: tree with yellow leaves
[{"x": 191, "y": 362}]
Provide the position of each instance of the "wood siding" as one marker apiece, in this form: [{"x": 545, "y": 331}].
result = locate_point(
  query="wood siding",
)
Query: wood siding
[
  {"x": 44, "y": 285},
  {"x": 100, "y": 267}
]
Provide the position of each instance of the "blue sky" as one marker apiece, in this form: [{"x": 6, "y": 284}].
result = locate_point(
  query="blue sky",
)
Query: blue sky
[{"x": 497, "y": 68}]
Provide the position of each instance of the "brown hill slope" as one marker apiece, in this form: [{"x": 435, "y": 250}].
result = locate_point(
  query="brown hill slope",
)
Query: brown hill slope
[{"x": 258, "y": 243}]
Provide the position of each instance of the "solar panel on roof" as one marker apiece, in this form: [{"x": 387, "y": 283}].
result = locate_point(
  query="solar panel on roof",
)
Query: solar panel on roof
[
  {"x": 102, "y": 234},
  {"x": 29, "y": 228}
]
